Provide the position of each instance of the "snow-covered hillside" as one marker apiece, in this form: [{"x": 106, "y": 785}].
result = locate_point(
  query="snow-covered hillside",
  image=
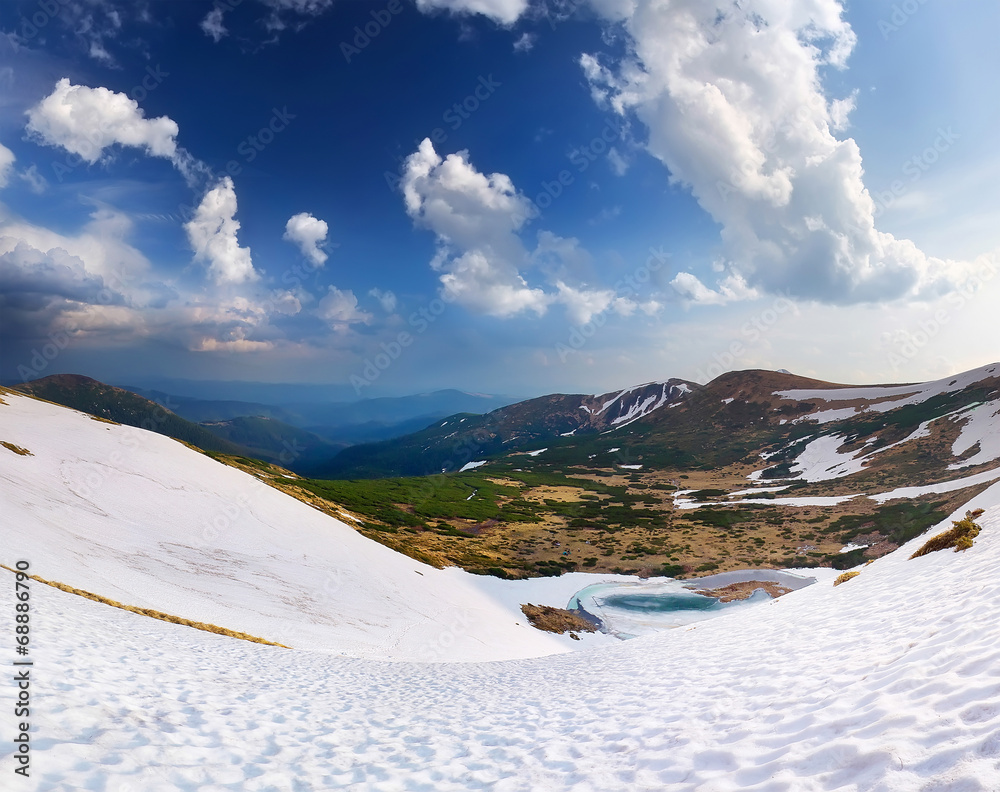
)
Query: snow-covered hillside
[
  {"x": 144, "y": 520},
  {"x": 878, "y": 399},
  {"x": 631, "y": 404},
  {"x": 888, "y": 682}
]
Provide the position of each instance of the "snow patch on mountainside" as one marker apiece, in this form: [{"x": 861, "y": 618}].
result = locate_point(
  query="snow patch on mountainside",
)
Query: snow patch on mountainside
[
  {"x": 820, "y": 460},
  {"x": 661, "y": 393},
  {"x": 982, "y": 429},
  {"x": 889, "y": 398},
  {"x": 647, "y": 406},
  {"x": 942, "y": 486}
]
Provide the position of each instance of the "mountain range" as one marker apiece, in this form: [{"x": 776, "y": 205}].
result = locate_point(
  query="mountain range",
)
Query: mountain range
[
  {"x": 676, "y": 424},
  {"x": 300, "y": 436}
]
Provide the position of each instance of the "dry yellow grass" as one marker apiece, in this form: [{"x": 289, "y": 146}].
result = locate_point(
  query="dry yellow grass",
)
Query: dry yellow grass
[
  {"x": 959, "y": 536},
  {"x": 104, "y": 420},
  {"x": 16, "y": 448},
  {"x": 846, "y": 576},
  {"x": 153, "y": 614}
]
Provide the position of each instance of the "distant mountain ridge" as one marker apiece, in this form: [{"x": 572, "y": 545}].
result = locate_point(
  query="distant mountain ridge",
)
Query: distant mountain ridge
[
  {"x": 679, "y": 424},
  {"x": 106, "y": 401},
  {"x": 338, "y": 422},
  {"x": 276, "y": 442},
  {"x": 507, "y": 428},
  {"x": 267, "y": 432}
]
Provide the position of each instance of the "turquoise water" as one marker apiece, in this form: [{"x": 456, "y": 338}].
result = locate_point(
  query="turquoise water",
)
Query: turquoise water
[
  {"x": 661, "y": 603},
  {"x": 629, "y": 609}
]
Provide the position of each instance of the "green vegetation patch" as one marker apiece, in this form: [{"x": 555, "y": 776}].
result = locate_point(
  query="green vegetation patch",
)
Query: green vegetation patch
[
  {"x": 719, "y": 518},
  {"x": 402, "y": 502},
  {"x": 898, "y": 522}
]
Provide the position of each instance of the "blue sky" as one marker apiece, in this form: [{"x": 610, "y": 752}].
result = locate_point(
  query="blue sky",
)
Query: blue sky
[{"x": 610, "y": 192}]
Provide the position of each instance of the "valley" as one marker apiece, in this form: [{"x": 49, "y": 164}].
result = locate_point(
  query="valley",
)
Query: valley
[{"x": 825, "y": 488}]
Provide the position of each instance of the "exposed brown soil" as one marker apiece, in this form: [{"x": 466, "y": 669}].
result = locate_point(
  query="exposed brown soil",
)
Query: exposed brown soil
[
  {"x": 557, "y": 620},
  {"x": 743, "y": 590}
]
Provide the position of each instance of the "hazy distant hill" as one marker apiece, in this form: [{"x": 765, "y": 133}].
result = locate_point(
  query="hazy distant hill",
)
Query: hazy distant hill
[
  {"x": 106, "y": 401},
  {"x": 338, "y": 422},
  {"x": 276, "y": 442}
]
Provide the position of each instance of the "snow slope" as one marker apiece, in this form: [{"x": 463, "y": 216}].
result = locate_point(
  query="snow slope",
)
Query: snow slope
[
  {"x": 890, "y": 682},
  {"x": 144, "y": 520},
  {"x": 633, "y": 405},
  {"x": 889, "y": 398}
]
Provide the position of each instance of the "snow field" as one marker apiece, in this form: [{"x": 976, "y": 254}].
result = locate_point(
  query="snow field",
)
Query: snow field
[{"x": 889, "y": 682}]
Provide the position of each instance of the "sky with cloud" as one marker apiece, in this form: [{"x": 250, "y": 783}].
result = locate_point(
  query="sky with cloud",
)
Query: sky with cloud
[{"x": 515, "y": 196}]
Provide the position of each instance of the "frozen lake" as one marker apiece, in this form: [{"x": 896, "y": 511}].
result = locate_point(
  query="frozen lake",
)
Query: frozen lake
[{"x": 629, "y": 609}]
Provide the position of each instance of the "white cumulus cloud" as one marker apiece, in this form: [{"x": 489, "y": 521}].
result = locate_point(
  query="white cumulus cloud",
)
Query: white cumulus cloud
[
  {"x": 733, "y": 100},
  {"x": 525, "y": 42},
  {"x": 476, "y": 218},
  {"x": 732, "y": 288},
  {"x": 309, "y": 234},
  {"x": 386, "y": 299},
  {"x": 212, "y": 234},
  {"x": 87, "y": 121},
  {"x": 35, "y": 181},
  {"x": 339, "y": 308},
  {"x": 583, "y": 304},
  {"x": 6, "y": 164},
  {"x": 213, "y": 25},
  {"x": 504, "y": 12},
  {"x": 481, "y": 256}
]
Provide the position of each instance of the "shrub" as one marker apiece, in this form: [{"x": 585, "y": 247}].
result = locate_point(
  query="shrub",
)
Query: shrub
[
  {"x": 959, "y": 536},
  {"x": 845, "y": 577}
]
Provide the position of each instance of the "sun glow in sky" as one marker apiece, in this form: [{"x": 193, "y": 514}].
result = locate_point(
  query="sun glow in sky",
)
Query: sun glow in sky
[{"x": 504, "y": 195}]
